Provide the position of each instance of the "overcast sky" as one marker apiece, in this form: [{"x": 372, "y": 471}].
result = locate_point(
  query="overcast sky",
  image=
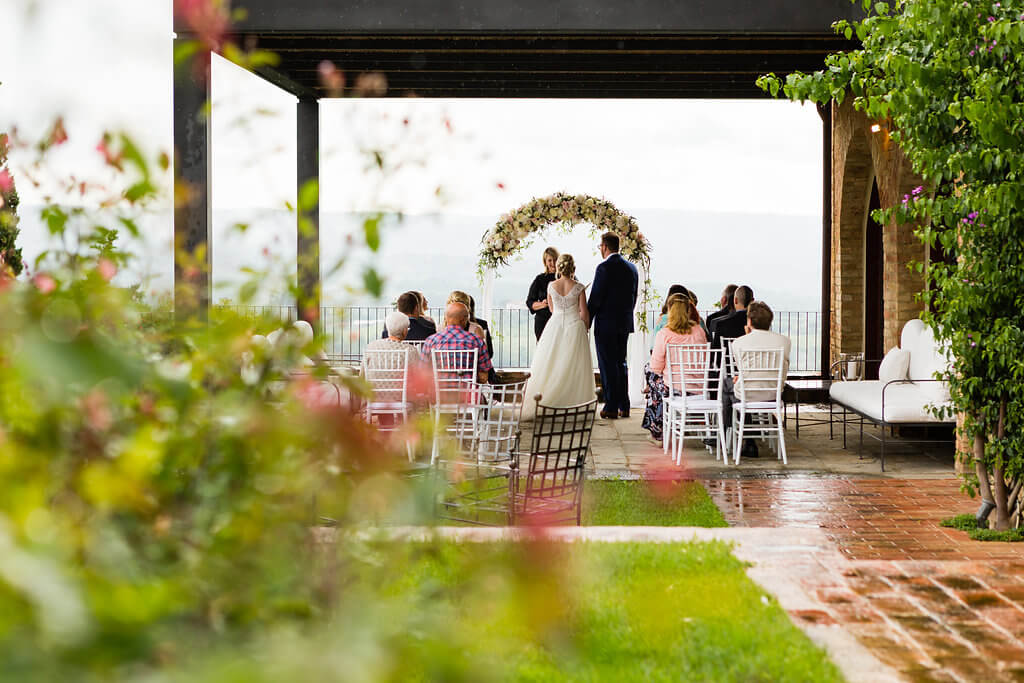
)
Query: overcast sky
[{"x": 106, "y": 64}]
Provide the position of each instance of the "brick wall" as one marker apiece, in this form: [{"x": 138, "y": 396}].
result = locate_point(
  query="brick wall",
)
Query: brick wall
[{"x": 859, "y": 158}]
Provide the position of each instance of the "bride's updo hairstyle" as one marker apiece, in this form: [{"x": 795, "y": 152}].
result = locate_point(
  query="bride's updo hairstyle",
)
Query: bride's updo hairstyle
[{"x": 565, "y": 266}]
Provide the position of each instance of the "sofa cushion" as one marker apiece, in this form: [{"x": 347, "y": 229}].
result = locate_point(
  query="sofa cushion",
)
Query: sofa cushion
[
  {"x": 904, "y": 403},
  {"x": 927, "y": 359},
  {"x": 911, "y": 331},
  {"x": 894, "y": 365}
]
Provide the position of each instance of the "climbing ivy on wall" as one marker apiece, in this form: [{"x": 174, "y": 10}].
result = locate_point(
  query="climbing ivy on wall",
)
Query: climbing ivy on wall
[{"x": 946, "y": 76}]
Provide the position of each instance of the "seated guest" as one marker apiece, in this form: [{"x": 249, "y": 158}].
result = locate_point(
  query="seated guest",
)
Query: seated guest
[
  {"x": 696, "y": 313},
  {"x": 725, "y": 307},
  {"x": 419, "y": 327},
  {"x": 758, "y": 336},
  {"x": 734, "y": 324},
  {"x": 424, "y": 312},
  {"x": 454, "y": 336},
  {"x": 464, "y": 299},
  {"x": 663, "y": 318},
  {"x": 397, "y": 324},
  {"x": 681, "y": 329},
  {"x": 483, "y": 325}
]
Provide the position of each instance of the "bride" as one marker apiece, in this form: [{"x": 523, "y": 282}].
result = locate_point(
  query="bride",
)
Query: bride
[{"x": 562, "y": 371}]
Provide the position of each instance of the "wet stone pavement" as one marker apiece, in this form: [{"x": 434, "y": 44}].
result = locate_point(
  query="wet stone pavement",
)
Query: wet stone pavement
[{"x": 924, "y": 600}]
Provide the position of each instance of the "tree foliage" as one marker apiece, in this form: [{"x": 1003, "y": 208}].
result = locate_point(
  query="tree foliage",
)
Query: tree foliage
[{"x": 947, "y": 75}]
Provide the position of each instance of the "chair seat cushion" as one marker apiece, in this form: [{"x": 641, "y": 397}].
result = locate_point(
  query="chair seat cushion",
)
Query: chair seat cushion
[
  {"x": 904, "y": 402},
  {"x": 387, "y": 405},
  {"x": 758, "y": 405}
]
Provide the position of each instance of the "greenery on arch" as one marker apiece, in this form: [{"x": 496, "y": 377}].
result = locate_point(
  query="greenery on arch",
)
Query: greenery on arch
[
  {"x": 516, "y": 230},
  {"x": 947, "y": 75}
]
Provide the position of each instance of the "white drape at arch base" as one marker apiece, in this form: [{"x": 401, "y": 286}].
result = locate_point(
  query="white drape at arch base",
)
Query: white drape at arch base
[
  {"x": 638, "y": 355},
  {"x": 487, "y": 296}
]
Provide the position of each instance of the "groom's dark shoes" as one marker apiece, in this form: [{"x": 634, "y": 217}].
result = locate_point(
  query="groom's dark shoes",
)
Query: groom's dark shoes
[
  {"x": 624, "y": 414},
  {"x": 605, "y": 415}
]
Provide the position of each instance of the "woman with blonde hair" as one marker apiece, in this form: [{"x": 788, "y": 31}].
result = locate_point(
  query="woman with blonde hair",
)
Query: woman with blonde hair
[
  {"x": 680, "y": 329},
  {"x": 563, "y": 372},
  {"x": 460, "y": 297},
  {"x": 537, "y": 298}
]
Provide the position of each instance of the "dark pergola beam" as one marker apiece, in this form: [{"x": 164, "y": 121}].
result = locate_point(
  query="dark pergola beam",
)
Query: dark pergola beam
[
  {"x": 307, "y": 171},
  {"x": 193, "y": 271},
  {"x": 640, "y": 16}
]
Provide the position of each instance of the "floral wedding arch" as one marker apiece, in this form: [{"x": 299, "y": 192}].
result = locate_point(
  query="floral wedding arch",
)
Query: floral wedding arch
[{"x": 515, "y": 231}]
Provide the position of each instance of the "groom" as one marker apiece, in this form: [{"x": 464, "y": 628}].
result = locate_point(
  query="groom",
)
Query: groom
[{"x": 612, "y": 299}]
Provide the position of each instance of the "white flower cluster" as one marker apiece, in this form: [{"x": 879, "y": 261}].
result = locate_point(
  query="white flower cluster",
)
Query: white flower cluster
[{"x": 514, "y": 230}]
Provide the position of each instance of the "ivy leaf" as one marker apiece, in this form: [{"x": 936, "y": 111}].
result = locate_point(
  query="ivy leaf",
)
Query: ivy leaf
[
  {"x": 372, "y": 282},
  {"x": 371, "y": 228}
]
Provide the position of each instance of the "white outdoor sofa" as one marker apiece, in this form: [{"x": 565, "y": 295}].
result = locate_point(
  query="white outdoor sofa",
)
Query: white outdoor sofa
[{"x": 906, "y": 392}]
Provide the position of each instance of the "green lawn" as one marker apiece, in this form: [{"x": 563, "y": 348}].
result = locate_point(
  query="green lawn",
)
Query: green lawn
[
  {"x": 642, "y": 503},
  {"x": 599, "y": 612}
]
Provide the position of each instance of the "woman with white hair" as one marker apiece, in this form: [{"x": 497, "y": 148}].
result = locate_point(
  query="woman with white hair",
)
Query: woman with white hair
[{"x": 397, "y": 326}]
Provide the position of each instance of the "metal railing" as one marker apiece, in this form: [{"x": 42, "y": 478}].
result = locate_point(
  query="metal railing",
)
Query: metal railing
[{"x": 348, "y": 329}]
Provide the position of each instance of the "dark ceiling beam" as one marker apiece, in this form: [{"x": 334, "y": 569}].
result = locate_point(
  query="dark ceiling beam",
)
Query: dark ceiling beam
[
  {"x": 286, "y": 83},
  {"x": 545, "y": 16}
]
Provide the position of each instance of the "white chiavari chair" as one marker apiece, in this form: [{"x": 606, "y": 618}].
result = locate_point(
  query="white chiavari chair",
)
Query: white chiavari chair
[
  {"x": 456, "y": 404},
  {"x": 697, "y": 412},
  {"x": 759, "y": 394},
  {"x": 387, "y": 373}
]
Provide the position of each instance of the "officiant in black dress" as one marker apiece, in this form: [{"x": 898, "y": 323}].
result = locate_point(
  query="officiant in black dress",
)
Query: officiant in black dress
[{"x": 537, "y": 299}]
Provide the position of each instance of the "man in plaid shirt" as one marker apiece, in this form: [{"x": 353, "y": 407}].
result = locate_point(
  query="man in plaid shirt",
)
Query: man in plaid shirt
[{"x": 455, "y": 337}]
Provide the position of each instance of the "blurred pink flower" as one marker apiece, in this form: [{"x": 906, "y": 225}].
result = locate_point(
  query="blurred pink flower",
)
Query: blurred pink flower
[
  {"x": 44, "y": 283},
  {"x": 107, "y": 269},
  {"x": 109, "y": 156},
  {"x": 208, "y": 19},
  {"x": 96, "y": 409},
  {"x": 331, "y": 78},
  {"x": 6, "y": 181},
  {"x": 58, "y": 135}
]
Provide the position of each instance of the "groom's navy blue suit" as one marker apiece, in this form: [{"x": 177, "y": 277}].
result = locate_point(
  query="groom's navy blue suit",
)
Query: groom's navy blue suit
[{"x": 612, "y": 299}]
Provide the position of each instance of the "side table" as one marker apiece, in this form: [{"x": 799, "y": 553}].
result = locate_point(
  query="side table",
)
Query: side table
[{"x": 798, "y": 386}]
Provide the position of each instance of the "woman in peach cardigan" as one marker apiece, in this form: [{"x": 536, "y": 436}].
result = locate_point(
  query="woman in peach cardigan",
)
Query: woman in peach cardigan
[{"x": 681, "y": 329}]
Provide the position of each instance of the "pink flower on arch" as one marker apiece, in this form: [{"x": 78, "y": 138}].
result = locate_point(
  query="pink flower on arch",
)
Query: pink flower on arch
[{"x": 6, "y": 181}]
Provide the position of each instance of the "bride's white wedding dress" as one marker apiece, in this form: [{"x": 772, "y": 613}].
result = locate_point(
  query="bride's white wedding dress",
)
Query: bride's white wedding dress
[{"x": 562, "y": 371}]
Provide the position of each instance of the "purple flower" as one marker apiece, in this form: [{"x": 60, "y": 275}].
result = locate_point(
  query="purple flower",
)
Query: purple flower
[
  {"x": 971, "y": 53},
  {"x": 973, "y": 344},
  {"x": 918, "y": 190},
  {"x": 991, "y": 18},
  {"x": 972, "y": 215}
]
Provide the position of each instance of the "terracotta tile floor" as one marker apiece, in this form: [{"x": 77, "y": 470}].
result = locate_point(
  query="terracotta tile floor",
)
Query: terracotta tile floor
[
  {"x": 869, "y": 519},
  {"x": 926, "y": 600}
]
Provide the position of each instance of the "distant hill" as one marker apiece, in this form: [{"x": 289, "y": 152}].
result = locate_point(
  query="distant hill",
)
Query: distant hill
[{"x": 778, "y": 255}]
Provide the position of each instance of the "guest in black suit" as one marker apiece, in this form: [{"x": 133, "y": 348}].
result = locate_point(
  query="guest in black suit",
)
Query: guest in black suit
[
  {"x": 419, "y": 328},
  {"x": 483, "y": 325},
  {"x": 725, "y": 308},
  {"x": 612, "y": 300},
  {"x": 537, "y": 298},
  {"x": 735, "y": 324}
]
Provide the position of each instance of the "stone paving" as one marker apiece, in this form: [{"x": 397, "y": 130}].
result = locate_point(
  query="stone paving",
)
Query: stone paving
[{"x": 925, "y": 601}]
